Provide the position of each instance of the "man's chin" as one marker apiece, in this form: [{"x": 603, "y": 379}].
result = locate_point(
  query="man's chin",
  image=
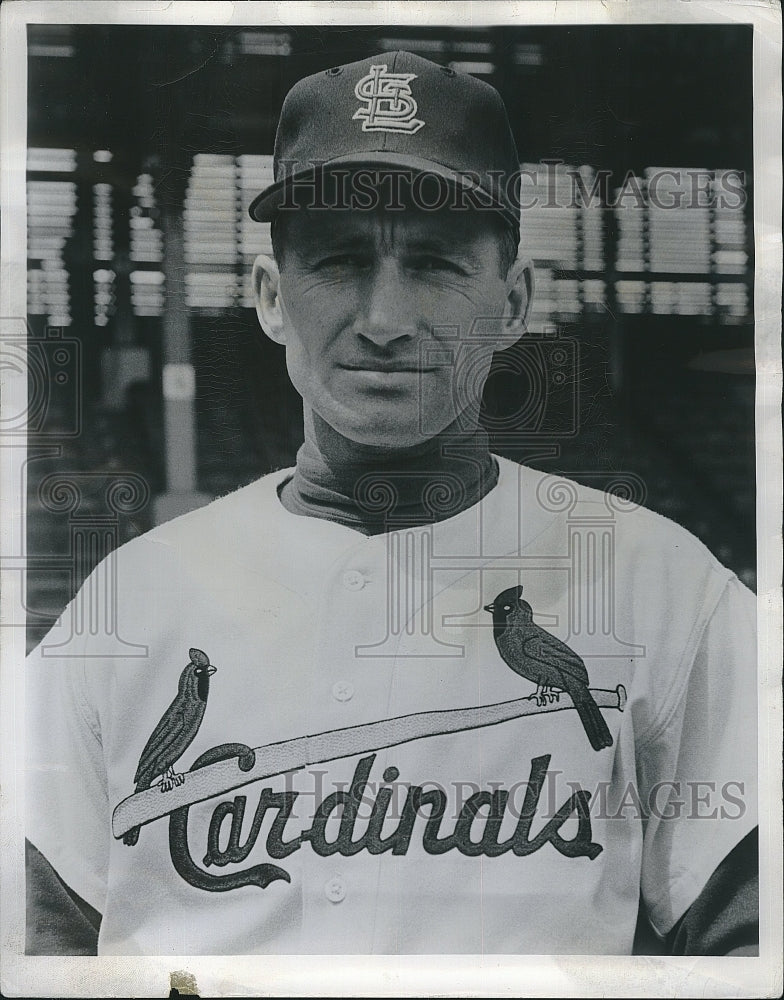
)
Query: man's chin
[
  {"x": 386, "y": 428},
  {"x": 390, "y": 441},
  {"x": 391, "y": 436}
]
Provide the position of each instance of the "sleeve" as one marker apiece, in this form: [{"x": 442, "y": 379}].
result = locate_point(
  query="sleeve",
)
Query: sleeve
[
  {"x": 724, "y": 919},
  {"x": 698, "y": 769},
  {"x": 58, "y": 921},
  {"x": 66, "y": 798}
]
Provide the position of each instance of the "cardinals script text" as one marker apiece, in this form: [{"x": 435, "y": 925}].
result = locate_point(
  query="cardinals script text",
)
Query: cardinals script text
[{"x": 232, "y": 835}]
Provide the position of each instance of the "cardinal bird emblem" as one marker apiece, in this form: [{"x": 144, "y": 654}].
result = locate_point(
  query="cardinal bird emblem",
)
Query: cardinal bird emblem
[
  {"x": 175, "y": 732},
  {"x": 540, "y": 657}
]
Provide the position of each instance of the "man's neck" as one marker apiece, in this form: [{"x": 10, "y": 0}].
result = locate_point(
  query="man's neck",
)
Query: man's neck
[{"x": 376, "y": 489}]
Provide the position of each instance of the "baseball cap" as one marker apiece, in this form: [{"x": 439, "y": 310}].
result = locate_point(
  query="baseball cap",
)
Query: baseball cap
[{"x": 396, "y": 110}]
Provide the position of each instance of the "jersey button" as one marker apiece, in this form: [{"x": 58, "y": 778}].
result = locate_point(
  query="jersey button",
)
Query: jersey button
[
  {"x": 343, "y": 691},
  {"x": 353, "y": 580},
  {"x": 335, "y": 890}
]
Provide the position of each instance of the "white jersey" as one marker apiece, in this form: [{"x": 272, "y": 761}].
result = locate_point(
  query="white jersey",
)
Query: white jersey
[{"x": 364, "y": 771}]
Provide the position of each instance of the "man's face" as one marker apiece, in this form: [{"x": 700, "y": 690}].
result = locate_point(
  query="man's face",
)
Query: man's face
[{"x": 377, "y": 312}]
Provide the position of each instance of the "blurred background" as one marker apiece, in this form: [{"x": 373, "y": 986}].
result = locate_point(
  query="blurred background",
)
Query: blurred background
[{"x": 152, "y": 389}]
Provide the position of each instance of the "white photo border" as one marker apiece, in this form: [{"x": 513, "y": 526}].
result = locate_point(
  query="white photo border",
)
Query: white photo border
[{"x": 395, "y": 976}]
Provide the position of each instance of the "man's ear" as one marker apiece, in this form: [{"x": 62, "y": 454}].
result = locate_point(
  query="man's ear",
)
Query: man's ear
[
  {"x": 519, "y": 296},
  {"x": 266, "y": 292}
]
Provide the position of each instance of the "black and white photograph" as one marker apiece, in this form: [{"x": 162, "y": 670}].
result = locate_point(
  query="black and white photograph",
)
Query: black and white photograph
[{"x": 391, "y": 499}]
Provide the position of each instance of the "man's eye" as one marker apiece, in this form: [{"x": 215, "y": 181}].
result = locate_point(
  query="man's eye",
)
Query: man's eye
[
  {"x": 343, "y": 260},
  {"x": 433, "y": 263}
]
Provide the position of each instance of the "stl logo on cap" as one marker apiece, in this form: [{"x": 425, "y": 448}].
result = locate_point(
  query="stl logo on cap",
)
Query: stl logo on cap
[{"x": 390, "y": 107}]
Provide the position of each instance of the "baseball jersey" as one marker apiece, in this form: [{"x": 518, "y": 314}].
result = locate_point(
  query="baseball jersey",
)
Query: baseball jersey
[{"x": 339, "y": 758}]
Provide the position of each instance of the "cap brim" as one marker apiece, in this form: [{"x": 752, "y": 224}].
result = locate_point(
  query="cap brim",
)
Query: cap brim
[{"x": 265, "y": 205}]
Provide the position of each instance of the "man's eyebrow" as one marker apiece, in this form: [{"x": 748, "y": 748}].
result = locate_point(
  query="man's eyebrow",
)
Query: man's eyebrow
[
  {"x": 322, "y": 242},
  {"x": 319, "y": 242},
  {"x": 441, "y": 245}
]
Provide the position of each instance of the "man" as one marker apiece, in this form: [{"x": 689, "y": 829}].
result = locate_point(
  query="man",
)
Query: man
[{"x": 407, "y": 696}]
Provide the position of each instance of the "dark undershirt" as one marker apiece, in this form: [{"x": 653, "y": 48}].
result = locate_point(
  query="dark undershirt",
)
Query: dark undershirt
[{"x": 374, "y": 490}]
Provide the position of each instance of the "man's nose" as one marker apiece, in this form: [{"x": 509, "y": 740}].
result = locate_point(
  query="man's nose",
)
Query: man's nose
[{"x": 387, "y": 314}]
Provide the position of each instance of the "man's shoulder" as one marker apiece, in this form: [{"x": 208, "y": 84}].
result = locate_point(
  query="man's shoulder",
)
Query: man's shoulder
[
  {"x": 231, "y": 521},
  {"x": 615, "y": 505}
]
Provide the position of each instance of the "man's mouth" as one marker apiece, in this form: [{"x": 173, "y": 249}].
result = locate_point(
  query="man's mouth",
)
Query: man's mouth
[{"x": 392, "y": 368}]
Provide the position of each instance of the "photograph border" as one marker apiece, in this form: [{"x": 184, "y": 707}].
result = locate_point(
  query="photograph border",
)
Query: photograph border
[{"x": 404, "y": 975}]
